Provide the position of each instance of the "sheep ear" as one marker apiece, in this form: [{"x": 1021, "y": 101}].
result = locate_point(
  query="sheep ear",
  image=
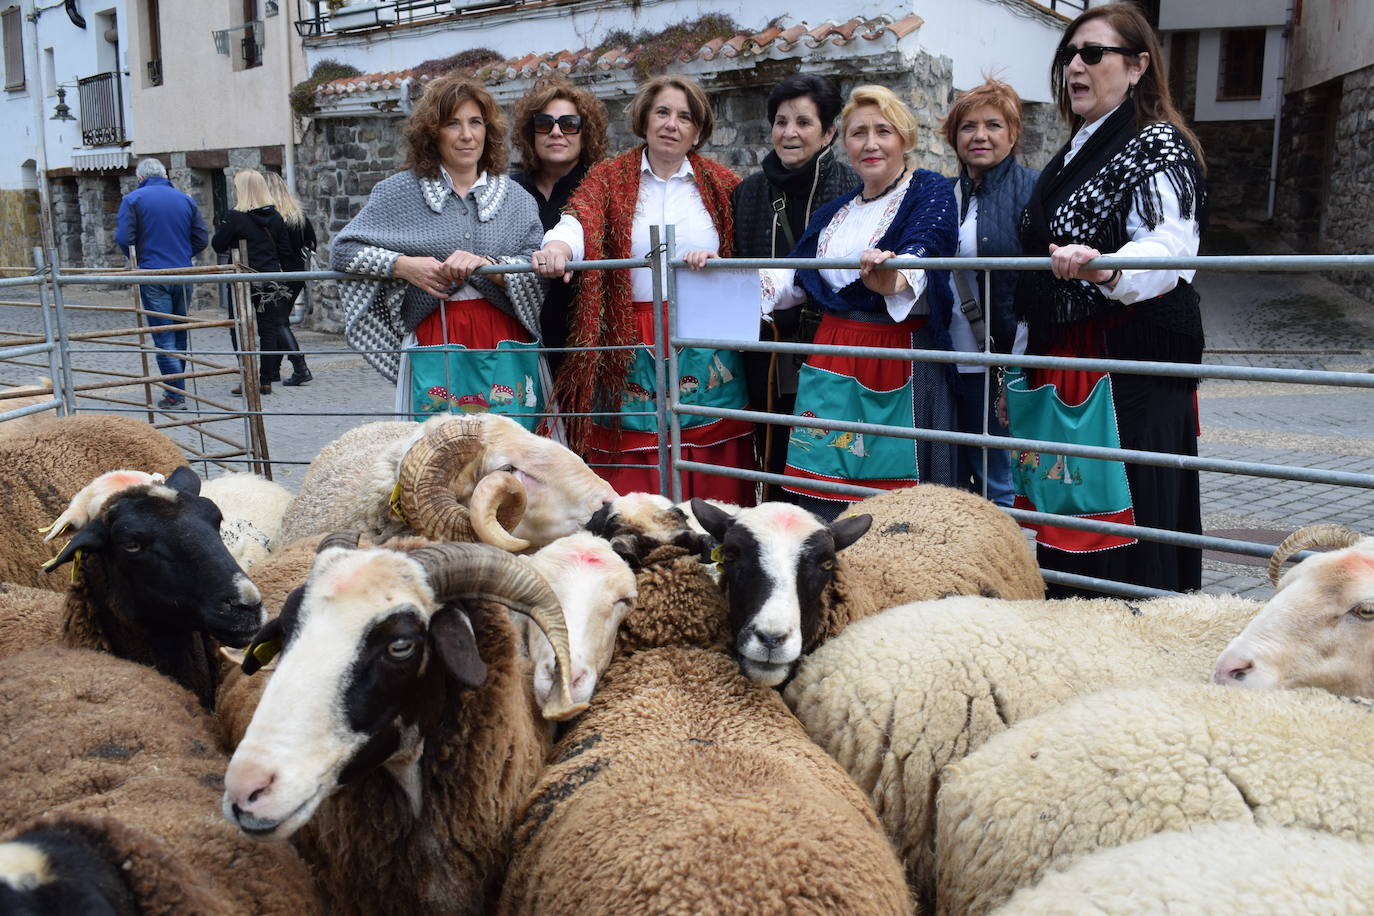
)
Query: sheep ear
[
  {"x": 451, "y": 634},
  {"x": 626, "y": 546},
  {"x": 90, "y": 539},
  {"x": 266, "y": 645},
  {"x": 847, "y": 530},
  {"x": 715, "y": 521},
  {"x": 599, "y": 520},
  {"x": 185, "y": 480}
]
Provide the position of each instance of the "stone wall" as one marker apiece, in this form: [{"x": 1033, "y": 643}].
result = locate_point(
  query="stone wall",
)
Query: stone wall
[
  {"x": 1306, "y": 161},
  {"x": 1238, "y": 154},
  {"x": 19, "y": 215},
  {"x": 1348, "y": 224}
]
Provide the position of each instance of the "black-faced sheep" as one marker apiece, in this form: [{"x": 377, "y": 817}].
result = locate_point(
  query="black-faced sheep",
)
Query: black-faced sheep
[
  {"x": 1228, "y": 867},
  {"x": 252, "y": 508},
  {"x": 1121, "y": 765},
  {"x": 931, "y": 541},
  {"x": 685, "y": 788},
  {"x": 479, "y": 477},
  {"x": 93, "y": 744},
  {"x": 1318, "y": 629},
  {"x": 898, "y": 696},
  {"x": 153, "y": 582},
  {"x": 41, "y": 470},
  {"x": 397, "y": 735}
]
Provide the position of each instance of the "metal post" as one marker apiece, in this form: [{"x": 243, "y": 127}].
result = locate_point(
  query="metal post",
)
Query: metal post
[
  {"x": 140, "y": 321},
  {"x": 674, "y": 421},
  {"x": 987, "y": 376},
  {"x": 54, "y": 364},
  {"x": 656, "y": 262},
  {"x": 68, "y": 392}
]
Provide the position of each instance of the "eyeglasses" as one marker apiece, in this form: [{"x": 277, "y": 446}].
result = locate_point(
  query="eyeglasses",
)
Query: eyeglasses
[
  {"x": 1091, "y": 54},
  {"x": 568, "y": 124}
]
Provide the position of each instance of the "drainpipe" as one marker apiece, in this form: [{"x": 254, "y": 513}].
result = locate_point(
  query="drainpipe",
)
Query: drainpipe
[
  {"x": 289, "y": 148},
  {"x": 40, "y": 124},
  {"x": 1278, "y": 109}
]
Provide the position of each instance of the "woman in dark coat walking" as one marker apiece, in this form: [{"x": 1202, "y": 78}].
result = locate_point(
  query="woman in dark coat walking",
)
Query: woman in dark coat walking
[
  {"x": 255, "y": 221},
  {"x": 772, "y": 207},
  {"x": 302, "y": 242}
]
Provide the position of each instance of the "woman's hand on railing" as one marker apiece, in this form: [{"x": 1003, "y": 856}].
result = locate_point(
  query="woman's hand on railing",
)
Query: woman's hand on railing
[
  {"x": 697, "y": 259},
  {"x": 882, "y": 282},
  {"x": 425, "y": 274},
  {"x": 1067, "y": 263},
  {"x": 551, "y": 261},
  {"x": 461, "y": 264}
]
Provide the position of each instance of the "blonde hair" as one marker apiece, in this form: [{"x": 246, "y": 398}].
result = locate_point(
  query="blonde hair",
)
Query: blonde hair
[
  {"x": 250, "y": 191},
  {"x": 893, "y": 109},
  {"x": 287, "y": 204}
]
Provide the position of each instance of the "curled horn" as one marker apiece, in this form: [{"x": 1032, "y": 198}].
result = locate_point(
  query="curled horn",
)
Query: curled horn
[
  {"x": 478, "y": 571},
  {"x": 1312, "y": 536},
  {"x": 497, "y": 505},
  {"x": 345, "y": 539},
  {"x": 429, "y": 480}
]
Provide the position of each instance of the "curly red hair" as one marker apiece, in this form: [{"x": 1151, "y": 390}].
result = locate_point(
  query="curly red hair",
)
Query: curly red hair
[{"x": 441, "y": 99}]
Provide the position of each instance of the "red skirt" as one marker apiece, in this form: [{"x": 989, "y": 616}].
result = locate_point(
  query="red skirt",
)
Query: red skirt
[{"x": 474, "y": 323}]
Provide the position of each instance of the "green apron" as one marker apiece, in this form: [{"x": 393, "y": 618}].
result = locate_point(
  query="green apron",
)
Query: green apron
[
  {"x": 449, "y": 377},
  {"x": 825, "y": 394},
  {"x": 706, "y": 378}
]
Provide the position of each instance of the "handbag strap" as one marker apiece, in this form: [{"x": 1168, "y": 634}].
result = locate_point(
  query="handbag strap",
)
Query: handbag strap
[{"x": 780, "y": 214}]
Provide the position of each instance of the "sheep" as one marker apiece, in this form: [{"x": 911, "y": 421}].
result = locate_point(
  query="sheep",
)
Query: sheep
[
  {"x": 464, "y": 478},
  {"x": 787, "y": 588},
  {"x": 636, "y": 523},
  {"x": 252, "y": 507},
  {"x": 1316, "y": 631},
  {"x": 686, "y": 788},
  {"x": 898, "y": 696},
  {"x": 107, "y": 749},
  {"x": 29, "y": 617},
  {"x": 152, "y": 582},
  {"x": 41, "y": 470},
  {"x": 1232, "y": 866},
  {"x": 397, "y": 735},
  {"x": 932, "y": 541},
  {"x": 25, "y": 396},
  {"x": 596, "y": 589},
  {"x": 1120, "y": 765}
]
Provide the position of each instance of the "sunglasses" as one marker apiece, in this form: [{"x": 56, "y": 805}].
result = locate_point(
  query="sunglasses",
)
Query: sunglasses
[
  {"x": 1091, "y": 54},
  {"x": 568, "y": 124}
]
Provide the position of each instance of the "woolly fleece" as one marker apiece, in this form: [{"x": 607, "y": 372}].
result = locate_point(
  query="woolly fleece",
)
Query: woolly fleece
[
  {"x": 685, "y": 789},
  {"x": 1233, "y": 867},
  {"x": 1122, "y": 765},
  {"x": 133, "y": 746},
  {"x": 253, "y": 508},
  {"x": 931, "y": 541},
  {"x": 29, "y": 617},
  {"x": 679, "y": 604},
  {"x": 898, "y": 696},
  {"x": 42, "y": 470}
]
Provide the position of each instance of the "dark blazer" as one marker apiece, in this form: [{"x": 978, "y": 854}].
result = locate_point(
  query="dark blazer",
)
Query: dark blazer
[{"x": 269, "y": 242}]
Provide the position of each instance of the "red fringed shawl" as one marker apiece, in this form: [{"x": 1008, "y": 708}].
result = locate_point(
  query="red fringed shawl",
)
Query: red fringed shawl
[{"x": 604, "y": 203}]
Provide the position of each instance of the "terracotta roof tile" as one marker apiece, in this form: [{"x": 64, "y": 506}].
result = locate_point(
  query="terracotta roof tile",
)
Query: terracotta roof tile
[{"x": 568, "y": 61}]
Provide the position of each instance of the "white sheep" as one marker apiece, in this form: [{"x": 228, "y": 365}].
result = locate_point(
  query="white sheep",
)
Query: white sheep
[
  {"x": 253, "y": 508},
  {"x": 461, "y": 477},
  {"x": 1121, "y": 765},
  {"x": 896, "y": 697},
  {"x": 1228, "y": 867},
  {"x": 1318, "y": 629}
]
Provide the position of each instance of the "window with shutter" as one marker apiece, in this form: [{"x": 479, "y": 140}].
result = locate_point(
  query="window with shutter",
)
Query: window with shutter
[{"x": 13, "y": 26}]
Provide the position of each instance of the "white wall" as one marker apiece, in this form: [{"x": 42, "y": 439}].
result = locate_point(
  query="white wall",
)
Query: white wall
[
  {"x": 1190, "y": 15},
  {"x": 1208, "y": 58},
  {"x": 978, "y": 34}
]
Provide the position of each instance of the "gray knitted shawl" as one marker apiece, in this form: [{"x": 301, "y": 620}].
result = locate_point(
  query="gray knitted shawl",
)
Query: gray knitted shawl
[{"x": 408, "y": 215}]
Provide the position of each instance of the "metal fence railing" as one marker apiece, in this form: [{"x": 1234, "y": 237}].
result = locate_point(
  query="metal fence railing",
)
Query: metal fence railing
[{"x": 59, "y": 347}]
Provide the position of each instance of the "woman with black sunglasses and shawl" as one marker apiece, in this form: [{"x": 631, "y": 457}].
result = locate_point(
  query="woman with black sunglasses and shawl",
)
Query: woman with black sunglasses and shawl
[{"x": 1129, "y": 183}]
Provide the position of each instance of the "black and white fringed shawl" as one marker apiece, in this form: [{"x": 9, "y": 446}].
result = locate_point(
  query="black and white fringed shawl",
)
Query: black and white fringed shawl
[{"x": 1087, "y": 202}]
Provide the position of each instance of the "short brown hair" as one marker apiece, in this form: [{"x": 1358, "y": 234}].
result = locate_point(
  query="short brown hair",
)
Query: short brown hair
[
  {"x": 594, "y": 121},
  {"x": 697, "y": 103},
  {"x": 994, "y": 93},
  {"x": 886, "y": 101},
  {"x": 441, "y": 99}
]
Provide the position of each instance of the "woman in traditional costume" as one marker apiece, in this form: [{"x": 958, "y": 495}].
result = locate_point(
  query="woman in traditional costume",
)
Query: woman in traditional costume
[
  {"x": 418, "y": 304},
  {"x": 664, "y": 182},
  {"x": 897, "y": 211},
  {"x": 1129, "y": 183}
]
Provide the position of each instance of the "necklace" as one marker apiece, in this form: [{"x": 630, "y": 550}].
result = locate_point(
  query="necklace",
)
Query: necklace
[{"x": 869, "y": 200}]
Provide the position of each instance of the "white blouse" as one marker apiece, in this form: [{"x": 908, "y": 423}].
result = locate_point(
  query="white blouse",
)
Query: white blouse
[
  {"x": 1175, "y": 236},
  {"x": 676, "y": 201},
  {"x": 855, "y": 227}
]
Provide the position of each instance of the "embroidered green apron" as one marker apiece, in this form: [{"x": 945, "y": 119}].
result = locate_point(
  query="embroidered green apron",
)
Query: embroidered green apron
[
  {"x": 851, "y": 456},
  {"x": 448, "y": 378},
  {"x": 706, "y": 378},
  {"x": 1061, "y": 484}
]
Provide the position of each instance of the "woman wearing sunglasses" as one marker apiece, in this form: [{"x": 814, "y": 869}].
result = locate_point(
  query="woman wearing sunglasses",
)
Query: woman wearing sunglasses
[
  {"x": 661, "y": 183},
  {"x": 417, "y": 304},
  {"x": 1129, "y": 183},
  {"x": 560, "y": 131}
]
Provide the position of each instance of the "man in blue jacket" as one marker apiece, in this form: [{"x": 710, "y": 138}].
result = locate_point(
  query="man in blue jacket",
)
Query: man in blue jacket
[{"x": 165, "y": 229}]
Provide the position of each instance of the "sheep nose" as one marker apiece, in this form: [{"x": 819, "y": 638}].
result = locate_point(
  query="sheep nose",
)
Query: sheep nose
[
  {"x": 248, "y": 784},
  {"x": 770, "y": 641},
  {"x": 1232, "y": 670}
]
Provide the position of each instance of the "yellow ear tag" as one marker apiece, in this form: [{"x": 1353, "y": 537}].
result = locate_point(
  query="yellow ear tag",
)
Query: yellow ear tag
[
  {"x": 718, "y": 558},
  {"x": 394, "y": 502},
  {"x": 264, "y": 652},
  {"x": 76, "y": 565}
]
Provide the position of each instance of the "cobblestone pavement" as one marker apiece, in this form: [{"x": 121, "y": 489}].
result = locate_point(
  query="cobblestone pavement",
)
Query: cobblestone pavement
[{"x": 1270, "y": 423}]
